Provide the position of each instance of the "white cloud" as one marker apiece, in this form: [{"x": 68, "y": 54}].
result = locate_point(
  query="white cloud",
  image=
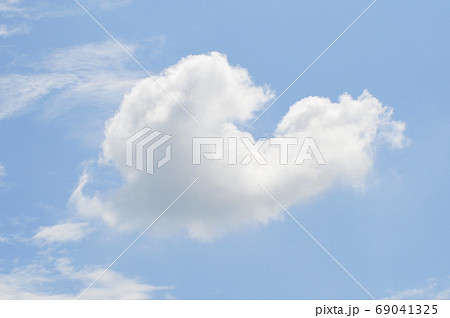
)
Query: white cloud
[
  {"x": 45, "y": 9},
  {"x": 2, "y": 170},
  {"x": 22, "y": 8},
  {"x": 10, "y": 6},
  {"x": 61, "y": 233},
  {"x": 44, "y": 281},
  {"x": 94, "y": 74},
  {"x": 435, "y": 289},
  {"x": 223, "y": 98},
  {"x": 8, "y": 31},
  {"x": 112, "y": 4},
  {"x": 12, "y": 239},
  {"x": 2, "y": 174},
  {"x": 19, "y": 91}
]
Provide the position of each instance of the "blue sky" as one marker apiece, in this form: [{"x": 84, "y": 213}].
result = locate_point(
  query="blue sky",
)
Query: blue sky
[{"x": 62, "y": 78}]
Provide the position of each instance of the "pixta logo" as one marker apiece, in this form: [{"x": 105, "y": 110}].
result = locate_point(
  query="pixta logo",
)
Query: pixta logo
[
  {"x": 213, "y": 148},
  {"x": 141, "y": 148},
  {"x": 142, "y": 154}
]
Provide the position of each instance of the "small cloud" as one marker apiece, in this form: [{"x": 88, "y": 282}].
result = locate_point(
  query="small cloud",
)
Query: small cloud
[
  {"x": 12, "y": 239},
  {"x": 10, "y": 6},
  {"x": 35, "y": 10},
  {"x": 2, "y": 170},
  {"x": 41, "y": 281},
  {"x": 434, "y": 289},
  {"x": 112, "y": 4},
  {"x": 6, "y": 31},
  {"x": 2, "y": 174},
  {"x": 62, "y": 233}
]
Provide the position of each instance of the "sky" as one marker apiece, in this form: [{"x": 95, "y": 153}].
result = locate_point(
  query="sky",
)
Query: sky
[{"x": 371, "y": 222}]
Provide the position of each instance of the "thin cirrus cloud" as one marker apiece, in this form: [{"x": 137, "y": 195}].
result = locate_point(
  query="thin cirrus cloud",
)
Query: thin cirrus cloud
[
  {"x": 6, "y": 30},
  {"x": 111, "y": 4},
  {"x": 2, "y": 170},
  {"x": 223, "y": 98},
  {"x": 94, "y": 72},
  {"x": 2, "y": 175},
  {"x": 36, "y": 10},
  {"x": 61, "y": 233},
  {"x": 434, "y": 289},
  {"x": 44, "y": 281},
  {"x": 11, "y": 6}
]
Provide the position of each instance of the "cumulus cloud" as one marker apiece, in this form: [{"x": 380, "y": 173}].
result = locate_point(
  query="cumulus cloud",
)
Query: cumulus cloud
[
  {"x": 224, "y": 99},
  {"x": 41, "y": 281},
  {"x": 61, "y": 233},
  {"x": 434, "y": 289}
]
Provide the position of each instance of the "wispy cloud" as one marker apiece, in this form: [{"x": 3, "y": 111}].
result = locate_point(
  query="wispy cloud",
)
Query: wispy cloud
[
  {"x": 433, "y": 289},
  {"x": 2, "y": 170},
  {"x": 62, "y": 233},
  {"x": 10, "y": 6},
  {"x": 35, "y": 10},
  {"x": 27, "y": 12},
  {"x": 96, "y": 73},
  {"x": 58, "y": 279},
  {"x": 2, "y": 174},
  {"x": 6, "y": 31},
  {"x": 111, "y": 4},
  {"x": 12, "y": 9}
]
